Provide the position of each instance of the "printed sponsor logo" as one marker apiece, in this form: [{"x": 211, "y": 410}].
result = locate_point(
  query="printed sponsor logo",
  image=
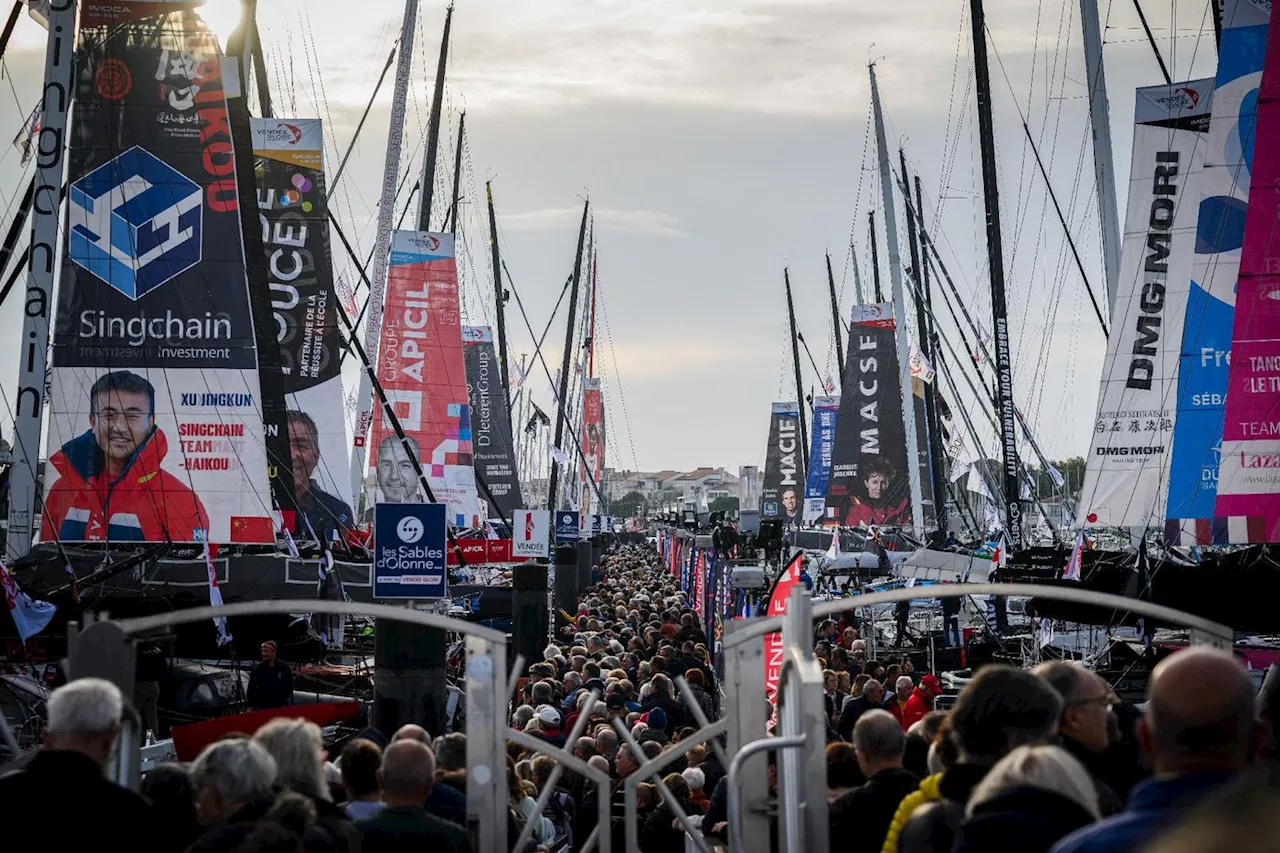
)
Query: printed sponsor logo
[
  {"x": 113, "y": 80},
  {"x": 287, "y": 134},
  {"x": 1181, "y": 98}
]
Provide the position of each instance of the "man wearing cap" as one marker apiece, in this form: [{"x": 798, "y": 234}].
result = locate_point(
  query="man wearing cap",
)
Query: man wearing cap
[
  {"x": 270, "y": 681},
  {"x": 550, "y": 719},
  {"x": 921, "y": 700}
]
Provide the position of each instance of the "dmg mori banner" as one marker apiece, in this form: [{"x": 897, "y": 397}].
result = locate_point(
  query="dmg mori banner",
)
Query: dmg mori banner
[
  {"x": 420, "y": 367},
  {"x": 592, "y": 441},
  {"x": 155, "y": 427},
  {"x": 825, "y": 411},
  {"x": 869, "y": 482},
  {"x": 781, "y": 493},
  {"x": 292, "y": 207},
  {"x": 493, "y": 454},
  {"x": 1127, "y": 473}
]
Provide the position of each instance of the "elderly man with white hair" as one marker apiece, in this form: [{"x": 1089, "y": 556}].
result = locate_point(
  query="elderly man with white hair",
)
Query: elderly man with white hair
[
  {"x": 234, "y": 784},
  {"x": 60, "y": 800}
]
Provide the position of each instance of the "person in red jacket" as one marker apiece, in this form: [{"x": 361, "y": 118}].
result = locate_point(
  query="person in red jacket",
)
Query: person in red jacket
[
  {"x": 110, "y": 485},
  {"x": 921, "y": 701},
  {"x": 897, "y": 704},
  {"x": 882, "y": 500}
]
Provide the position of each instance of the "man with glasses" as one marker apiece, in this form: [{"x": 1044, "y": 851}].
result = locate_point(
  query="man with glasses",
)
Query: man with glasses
[
  {"x": 110, "y": 485},
  {"x": 1085, "y": 725}
]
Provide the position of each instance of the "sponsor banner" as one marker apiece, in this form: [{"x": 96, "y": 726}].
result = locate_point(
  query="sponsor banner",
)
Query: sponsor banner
[
  {"x": 825, "y": 410},
  {"x": 484, "y": 551},
  {"x": 492, "y": 448},
  {"x": 155, "y": 410},
  {"x": 1207, "y": 328},
  {"x": 1128, "y": 465},
  {"x": 592, "y": 440},
  {"x": 96, "y": 14},
  {"x": 782, "y": 493},
  {"x": 531, "y": 533},
  {"x": 700, "y": 583},
  {"x": 292, "y": 208},
  {"x": 568, "y": 526},
  {"x": 774, "y": 651},
  {"x": 1249, "y": 476},
  {"x": 409, "y": 550},
  {"x": 421, "y": 369},
  {"x": 869, "y": 483}
]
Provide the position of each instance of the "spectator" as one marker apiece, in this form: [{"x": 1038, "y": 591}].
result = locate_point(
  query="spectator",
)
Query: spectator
[
  {"x": 234, "y": 785},
  {"x": 843, "y": 772},
  {"x": 921, "y": 700},
  {"x": 361, "y": 760},
  {"x": 168, "y": 787},
  {"x": 1084, "y": 730},
  {"x": 897, "y": 704},
  {"x": 860, "y": 818},
  {"x": 406, "y": 776},
  {"x": 270, "y": 681},
  {"x": 872, "y": 698},
  {"x": 443, "y": 801},
  {"x": 663, "y": 832},
  {"x": 920, "y": 737},
  {"x": 697, "y": 782},
  {"x": 298, "y": 749}
]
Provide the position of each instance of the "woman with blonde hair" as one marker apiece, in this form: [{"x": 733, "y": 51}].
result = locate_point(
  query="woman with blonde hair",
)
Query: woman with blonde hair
[{"x": 298, "y": 749}]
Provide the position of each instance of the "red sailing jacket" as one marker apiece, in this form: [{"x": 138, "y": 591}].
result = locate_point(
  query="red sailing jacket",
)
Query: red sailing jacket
[
  {"x": 918, "y": 704},
  {"x": 863, "y": 514},
  {"x": 143, "y": 504}
]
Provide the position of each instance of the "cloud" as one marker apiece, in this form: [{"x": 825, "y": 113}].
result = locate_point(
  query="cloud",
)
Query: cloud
[{"x": 651, "y": 222}]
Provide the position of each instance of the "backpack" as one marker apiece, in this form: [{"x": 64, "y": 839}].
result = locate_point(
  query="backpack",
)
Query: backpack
[{"x": 560, "y": 811}]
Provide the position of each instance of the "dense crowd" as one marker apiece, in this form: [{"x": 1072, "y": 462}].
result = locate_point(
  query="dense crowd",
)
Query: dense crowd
[{"x": 1039, "y": 760}]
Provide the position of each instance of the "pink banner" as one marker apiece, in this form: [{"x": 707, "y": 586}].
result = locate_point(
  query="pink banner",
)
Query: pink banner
[
  {"x": 700, "y": 583},
  {"x": 773, "y": 650},
  {"x": 1249, "y": 476}
]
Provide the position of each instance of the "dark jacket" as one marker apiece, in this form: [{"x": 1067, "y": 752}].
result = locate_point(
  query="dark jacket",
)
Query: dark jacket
[
  {"x": 270, "y": 685},
  {"x": 1036, "y": 818},
  {"x": 448, "y": 803},
  {"x": 672, "y": 708},
  {"x": 403, "y": 828},
  {"x": 327, "y": 514},
  {"x": 933, "y": 827},
  {"x": 227, "y": 835},
  {"x": 853, "y": 709},
  {"x": 1108, "y": 800},
  {"x": 59, "y": 800},
  {"x": 657, "y": 834},
  {"x": 332, "y": 821},
  {"x": 860, "y": 819}
]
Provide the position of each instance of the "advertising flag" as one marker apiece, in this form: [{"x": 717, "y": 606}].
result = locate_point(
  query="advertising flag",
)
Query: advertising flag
[
  {"x": 781, "y": 491},
  {"x": 421, "y": 368},
  {"x": 825, "y": 410},
  {"x": 292, "y": 207},
  {"x": 531, "y": 533},
  {"x": 492, "y": 449},
  {"x": 1224, "y": 184},
  {"x": 155, "y": 409},
  {"x": 1249, "y": 473},
  {"x": 773, "y": 648},
  {"x": 592, "y": 440},
  {"x": 1127, "y": 472},
  {"x": 868, "y": 483}
]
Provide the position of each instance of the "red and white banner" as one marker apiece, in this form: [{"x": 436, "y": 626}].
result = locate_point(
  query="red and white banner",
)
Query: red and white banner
[
  {"x": 700, "y": 584},
  {"x": 592, "y": 441},
  {"x": 773, "y": 648},
  {"x": 421, "y": 369},
  {"x": 480, "y": 551}
]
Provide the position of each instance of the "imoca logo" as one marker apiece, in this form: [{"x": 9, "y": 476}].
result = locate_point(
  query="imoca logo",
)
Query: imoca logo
[{"x": 135, "y": 222}]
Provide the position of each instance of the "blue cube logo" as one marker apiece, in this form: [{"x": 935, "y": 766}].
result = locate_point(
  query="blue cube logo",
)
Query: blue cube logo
[{"x": 135, "y": 222}]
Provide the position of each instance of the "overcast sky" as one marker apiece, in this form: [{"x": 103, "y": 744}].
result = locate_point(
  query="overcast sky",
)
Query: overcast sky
[{"x": 721, "y": 141}]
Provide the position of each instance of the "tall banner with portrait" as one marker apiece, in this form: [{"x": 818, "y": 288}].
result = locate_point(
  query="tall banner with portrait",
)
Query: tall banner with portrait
[
  {"x": 292, "y": 207},
  {"x": 155, "y": 414},
  {"x": 782, "y": 491},
  {"x": 421, "y": 369},
  {"x": 869, "y": 482},
  {"x": 493, "y": 452},
  {"x": 592, "y": 441}
]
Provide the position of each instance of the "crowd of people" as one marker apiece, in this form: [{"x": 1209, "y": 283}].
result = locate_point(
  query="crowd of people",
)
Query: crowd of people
[{"x": 1029, "y": 760}]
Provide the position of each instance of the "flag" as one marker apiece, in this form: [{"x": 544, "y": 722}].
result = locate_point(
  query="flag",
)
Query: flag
[
  {"x": 921, "y": 367},
  {"x": 773, "y": 650},
  {"x": 1044, "y": 634},
  {"x": 828, "y": 385},
  {"x": 290, "y": 544},
  {"x": 25, "y": 141},
  {"x": 517, "y": 377},
  {"x": 1000, "y": 556},
  {"x": 215, "y": 596},
  {"x": 1137, "y": 586},
  {"x": 30, "y": 617},
  {"x": 834, "y": 550},
  {"x": 1073, "y": 567}
]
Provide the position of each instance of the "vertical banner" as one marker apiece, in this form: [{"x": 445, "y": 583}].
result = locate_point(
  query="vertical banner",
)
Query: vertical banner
[
  {"x": 781, "y": 495},
  {"x": 532, "y": 534},
  {"x": 1249, "y": 476},
  {"x": 825, "y": 410},
  {"x": 1126, "y": 473},
  {"x": 773, "y": 649},
  {"x": 1206, "y": 334},
  {"x": 155, "y": 426},
  {"x": 292, "y": 207},
  {"x": 748, "y": 489},
  {"x": 869, "y": 483},
  {"x": 592, "y": 441},
  {"x": 493, "y": 452},
  {"x": 421, "y": 369},
  {"x": 700, "y": 582}
]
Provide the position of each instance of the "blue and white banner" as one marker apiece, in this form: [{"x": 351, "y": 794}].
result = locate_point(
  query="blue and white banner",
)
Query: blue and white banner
[
  {"x": 409, "y": 551},
  {"x": 568, "y": 526},
  {"x": 825, "y": 412}
]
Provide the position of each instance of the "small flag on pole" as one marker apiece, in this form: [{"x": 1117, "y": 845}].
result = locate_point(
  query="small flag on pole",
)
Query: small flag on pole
[
  {"x": 29, "y": 616},
  {"x": 215, "y": 597},
  {"x": 1073, "y": 567}
]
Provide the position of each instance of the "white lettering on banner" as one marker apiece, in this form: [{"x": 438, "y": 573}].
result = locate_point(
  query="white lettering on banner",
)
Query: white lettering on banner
[
  {"x": 869, "y": 409},
  {"x": 139, "y": 329},
  {"x": 787, "y": 445}
]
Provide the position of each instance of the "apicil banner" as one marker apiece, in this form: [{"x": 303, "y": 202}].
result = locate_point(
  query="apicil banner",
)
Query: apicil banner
[
  {"x": 781, "y": 493},
  {"x": 592, "y": 441},
  {"x": 492, "y": 449},
  {"x": 1249, "y": 476},
  {"x": 1126, "y": 474},
  {"x": 292, "y": 205},
  {"x": 825, "y": 410},
  {"x": 155, "y": 410},
  {"x": 1206, "y": 334},
  {"x": 869, "y": 482},
  {"x": 421, "y": 370}
]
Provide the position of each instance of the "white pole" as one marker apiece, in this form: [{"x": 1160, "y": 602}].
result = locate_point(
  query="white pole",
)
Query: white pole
[
  {"x": 382, "y": 248},
  {"x": 899, "y": 312},
  {"x": 1104, "y": 173}
]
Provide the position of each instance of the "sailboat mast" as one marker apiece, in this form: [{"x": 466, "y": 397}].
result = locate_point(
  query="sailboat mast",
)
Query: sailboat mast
[
  {"x": 562, "y": 401},
  {"x": 995, "y": 260},
  {"x": 1104, "y": 173},
  {"x": 857, "y": 278},
  {"x": 33, "y": 365},
  {"x": 835, "y": 316},
  {"x": 795, "y": 360},
  {"x": 433, "y": 129},
  {"x": 899, "y": 310},
  {"x": 457, "y": 176},
  {"x": 928, "y": 345},
  {"x": 499, "y": 296},
  {"x": 382, "y": 245},
  {"x": 875, "y": 256}
]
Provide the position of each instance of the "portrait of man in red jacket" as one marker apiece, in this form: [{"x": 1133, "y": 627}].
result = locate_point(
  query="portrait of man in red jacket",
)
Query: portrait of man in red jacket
[{"x": 110, "y": 485}]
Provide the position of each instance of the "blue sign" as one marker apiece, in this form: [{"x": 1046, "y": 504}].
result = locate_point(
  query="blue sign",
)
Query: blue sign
[
  {"x": 568, "y": 525},
  {"x": 409, "y": 551}
]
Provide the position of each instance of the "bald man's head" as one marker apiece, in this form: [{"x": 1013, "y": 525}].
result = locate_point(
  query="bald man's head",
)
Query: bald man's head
[
  {"x": 1200, "y": 714},
  {"x": 407, "y": 773},
  {"x": 412, "y": 731}
]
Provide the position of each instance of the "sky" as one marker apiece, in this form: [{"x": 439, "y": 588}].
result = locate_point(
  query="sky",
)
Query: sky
[{"x": 719, "y": 143}]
